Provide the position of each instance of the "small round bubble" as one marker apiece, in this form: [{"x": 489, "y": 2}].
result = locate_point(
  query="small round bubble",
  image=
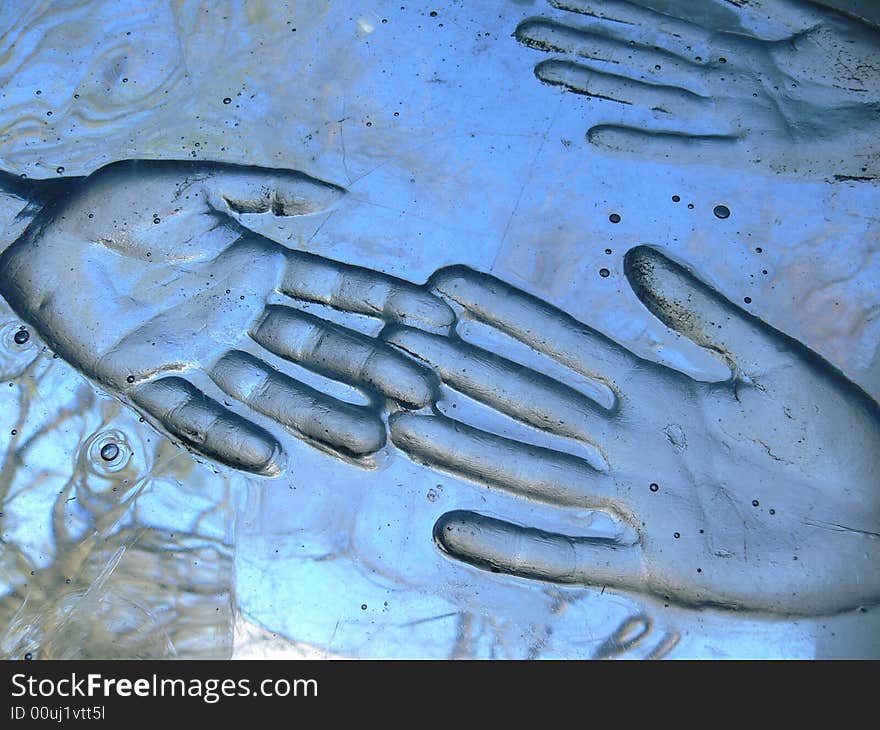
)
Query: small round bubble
[
  {"x": 108, "y": 452},
  {"x": 17, "y": 349}
]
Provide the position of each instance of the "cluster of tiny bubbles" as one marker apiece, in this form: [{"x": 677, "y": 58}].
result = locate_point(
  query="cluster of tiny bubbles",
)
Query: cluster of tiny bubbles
[
  {"x": 18, "y": 348},
  {"x": 107, "y": 452}
]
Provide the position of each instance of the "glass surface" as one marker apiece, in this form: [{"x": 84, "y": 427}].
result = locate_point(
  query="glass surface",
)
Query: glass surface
[{"x": 489, "y": 330}]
